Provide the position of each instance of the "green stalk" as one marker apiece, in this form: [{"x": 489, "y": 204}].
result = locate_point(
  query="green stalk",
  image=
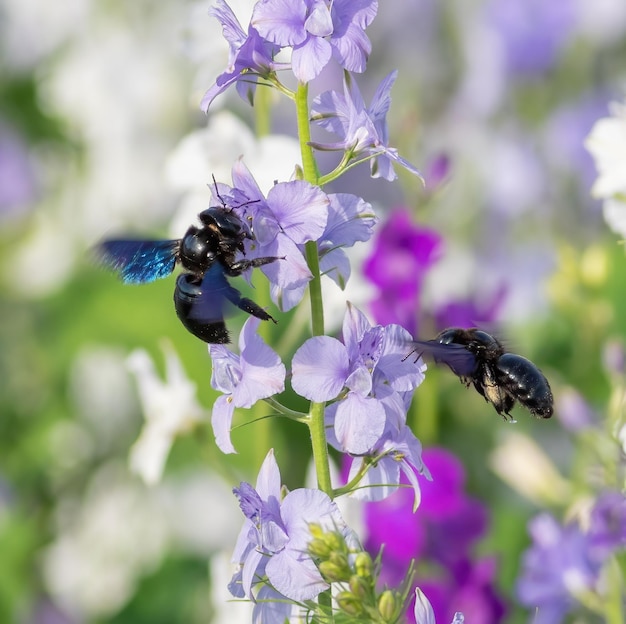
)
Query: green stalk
[{"x": 311, "y": 174}]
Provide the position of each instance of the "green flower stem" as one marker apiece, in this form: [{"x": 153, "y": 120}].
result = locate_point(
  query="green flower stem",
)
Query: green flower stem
[{"x": 311, "y": 174}]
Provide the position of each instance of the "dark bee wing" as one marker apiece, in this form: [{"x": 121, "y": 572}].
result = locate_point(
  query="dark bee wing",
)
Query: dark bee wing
[
  {"x": 139, "y": 261},
  {"x": 455, "y": 356}
]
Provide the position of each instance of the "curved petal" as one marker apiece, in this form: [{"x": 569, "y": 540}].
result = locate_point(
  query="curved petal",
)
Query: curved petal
[
  {"x": 319, "y": 368},
  {"x": 359, "y": 423},
  {"x": 221, "y": 421},
  {"x": 297, "y": 579},
  {"x": 309, "y": 58}
]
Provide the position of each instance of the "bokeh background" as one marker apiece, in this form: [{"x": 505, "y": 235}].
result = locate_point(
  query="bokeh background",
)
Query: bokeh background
[{"x": 101, "y": 134}]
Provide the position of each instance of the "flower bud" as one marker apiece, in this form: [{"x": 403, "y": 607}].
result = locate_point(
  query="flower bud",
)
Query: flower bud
[
  {"x": 364, "y": 565},
  {"x": 319, "y": 548},
  {"x": 359, "y": 586},
  {"x": 388, "y": 605},
  {"x": 349, "y": 603},
  {"x": 331, "y": 572}
]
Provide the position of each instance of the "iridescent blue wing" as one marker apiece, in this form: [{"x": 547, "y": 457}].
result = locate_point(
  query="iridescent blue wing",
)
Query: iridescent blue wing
[
  {"x": 139, "y": 261},
  {"x": 455, "y": 356}
]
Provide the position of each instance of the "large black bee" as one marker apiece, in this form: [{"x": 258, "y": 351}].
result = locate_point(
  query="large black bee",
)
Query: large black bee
[
  {"x": 207, "y": 256},
  {"x": 502, "y": 378}
]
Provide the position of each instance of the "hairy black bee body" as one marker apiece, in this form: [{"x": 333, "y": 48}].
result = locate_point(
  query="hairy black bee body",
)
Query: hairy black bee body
[
  {"x": 502, "y": 378},
  {"x": 207, "y": 255}
]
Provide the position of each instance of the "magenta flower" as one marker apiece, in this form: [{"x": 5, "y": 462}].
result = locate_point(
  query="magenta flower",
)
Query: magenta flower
[
  {"x": 442, "y": 534},
  {"x": 257, "y": 373},
  {"x": 362, "y": 130},
  {"x": 403, "y": 254},
  {"x": 272, "y": 548}
]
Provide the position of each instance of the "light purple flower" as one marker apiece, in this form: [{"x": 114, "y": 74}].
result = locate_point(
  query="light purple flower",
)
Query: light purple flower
[
  {"x": 369, "y": 365},
  {"x": 362, "y": 130},
  {"x": 396, "y": 452},
  {"x": 533, "y": 33},
  {"x": 607, "y": 530},
  {"x": 556, "y": 567},
  {"x": 316, "y": 32},
  {"x": 273, "y": 543},
  {"x": 251, "y": 57},
  {"x": 292, "y": 214},
  {"x": 257, "y": 373}
]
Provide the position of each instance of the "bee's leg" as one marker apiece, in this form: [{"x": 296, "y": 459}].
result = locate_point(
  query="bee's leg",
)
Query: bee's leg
[
  {"x": 237, "y": 268},
  {"x": 247, "y": 305}
]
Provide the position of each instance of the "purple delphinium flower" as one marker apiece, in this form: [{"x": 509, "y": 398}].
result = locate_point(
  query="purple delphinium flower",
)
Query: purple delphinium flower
[
  {"x": 558, "y": 564},
  {"x": 443, "y": 532},
  {"x": 402, "y": 255},
  {"x": 350, "y": 219},
  {"x": 292, "y": 214},
  {"x": 362, "y": 130},
  {"x": 257, "y": 373},
  {"x": 316, "y": 32},
  {"x": 481, "y": 310},
  {"x": 369, "y": 365},
  {"x": 533, "y": 33},
  {"x": 272, "y": 547},
  {"x": 397, "y": 452},
  {"x": 251, "y": 57},
  {"x": 607, "y": 530}
]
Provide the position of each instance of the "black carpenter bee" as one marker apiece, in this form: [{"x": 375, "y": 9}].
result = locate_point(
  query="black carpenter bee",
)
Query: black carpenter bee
[
  {"x": 502, "y": 378},
  {"x": 207, "y": 256}
]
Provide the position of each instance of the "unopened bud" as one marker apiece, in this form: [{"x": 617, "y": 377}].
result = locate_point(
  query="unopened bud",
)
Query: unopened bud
[
  {"x": 319, "y": 548},
  {"x": 388, "y": 606},
  {"x": 331, "y": 572},
  {"x": 359, "y": 586},
  {"x": 364, "y": 565},
  {"x": 349, "y": 603}
]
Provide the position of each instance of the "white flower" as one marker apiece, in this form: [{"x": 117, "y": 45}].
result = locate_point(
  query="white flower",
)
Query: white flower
[
  {"x": 607, "y": 145},
  {"x": 169, "y": 407}
]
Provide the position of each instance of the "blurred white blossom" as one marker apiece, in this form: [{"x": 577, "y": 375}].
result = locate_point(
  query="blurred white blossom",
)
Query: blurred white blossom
[
  {"x": 170, "y": 408},
  {"x": 607, "y": 144},
  {"x": 105, "y": 543}
]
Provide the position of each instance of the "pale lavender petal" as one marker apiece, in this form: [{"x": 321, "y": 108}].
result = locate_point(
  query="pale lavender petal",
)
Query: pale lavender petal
[
  {"x": 352, "y": 49},
  {"x": 360, "y": 381},
  {"x": 381, "y": 101},
  {"x": 301, "y": 507},
  {"x": 291, "y": 272},
  {"x": 423, "y": 613},
  {"x": 355, "y": 324},
  {"x": 287, "y": 298},
  {"x": 248, "y": 574},
  {"x": 300, "y": 208},
  {"x": 359, "y": 423},
  {"x": 263, "y": 373},
  {"x": 280, "y": 21},
  {"x": 319, "y": 22},
  {"x": 231, "y": 28},
  {"x": 380, "y": 480},
  {"x": 244, "y": 181},
  {"x": 319, "y": 369},
  {"x": 226, "y": 372},
  {"x": 298, "y": 579},
  {"x": 271, "y": 607},
  {"x": 221, "y": 421},
  {"x": 350, "y": 219},
  {"x": 309, "y": 58},
  {"x": 336, "y": 265},
  {"x": 268, "y": 480}
]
